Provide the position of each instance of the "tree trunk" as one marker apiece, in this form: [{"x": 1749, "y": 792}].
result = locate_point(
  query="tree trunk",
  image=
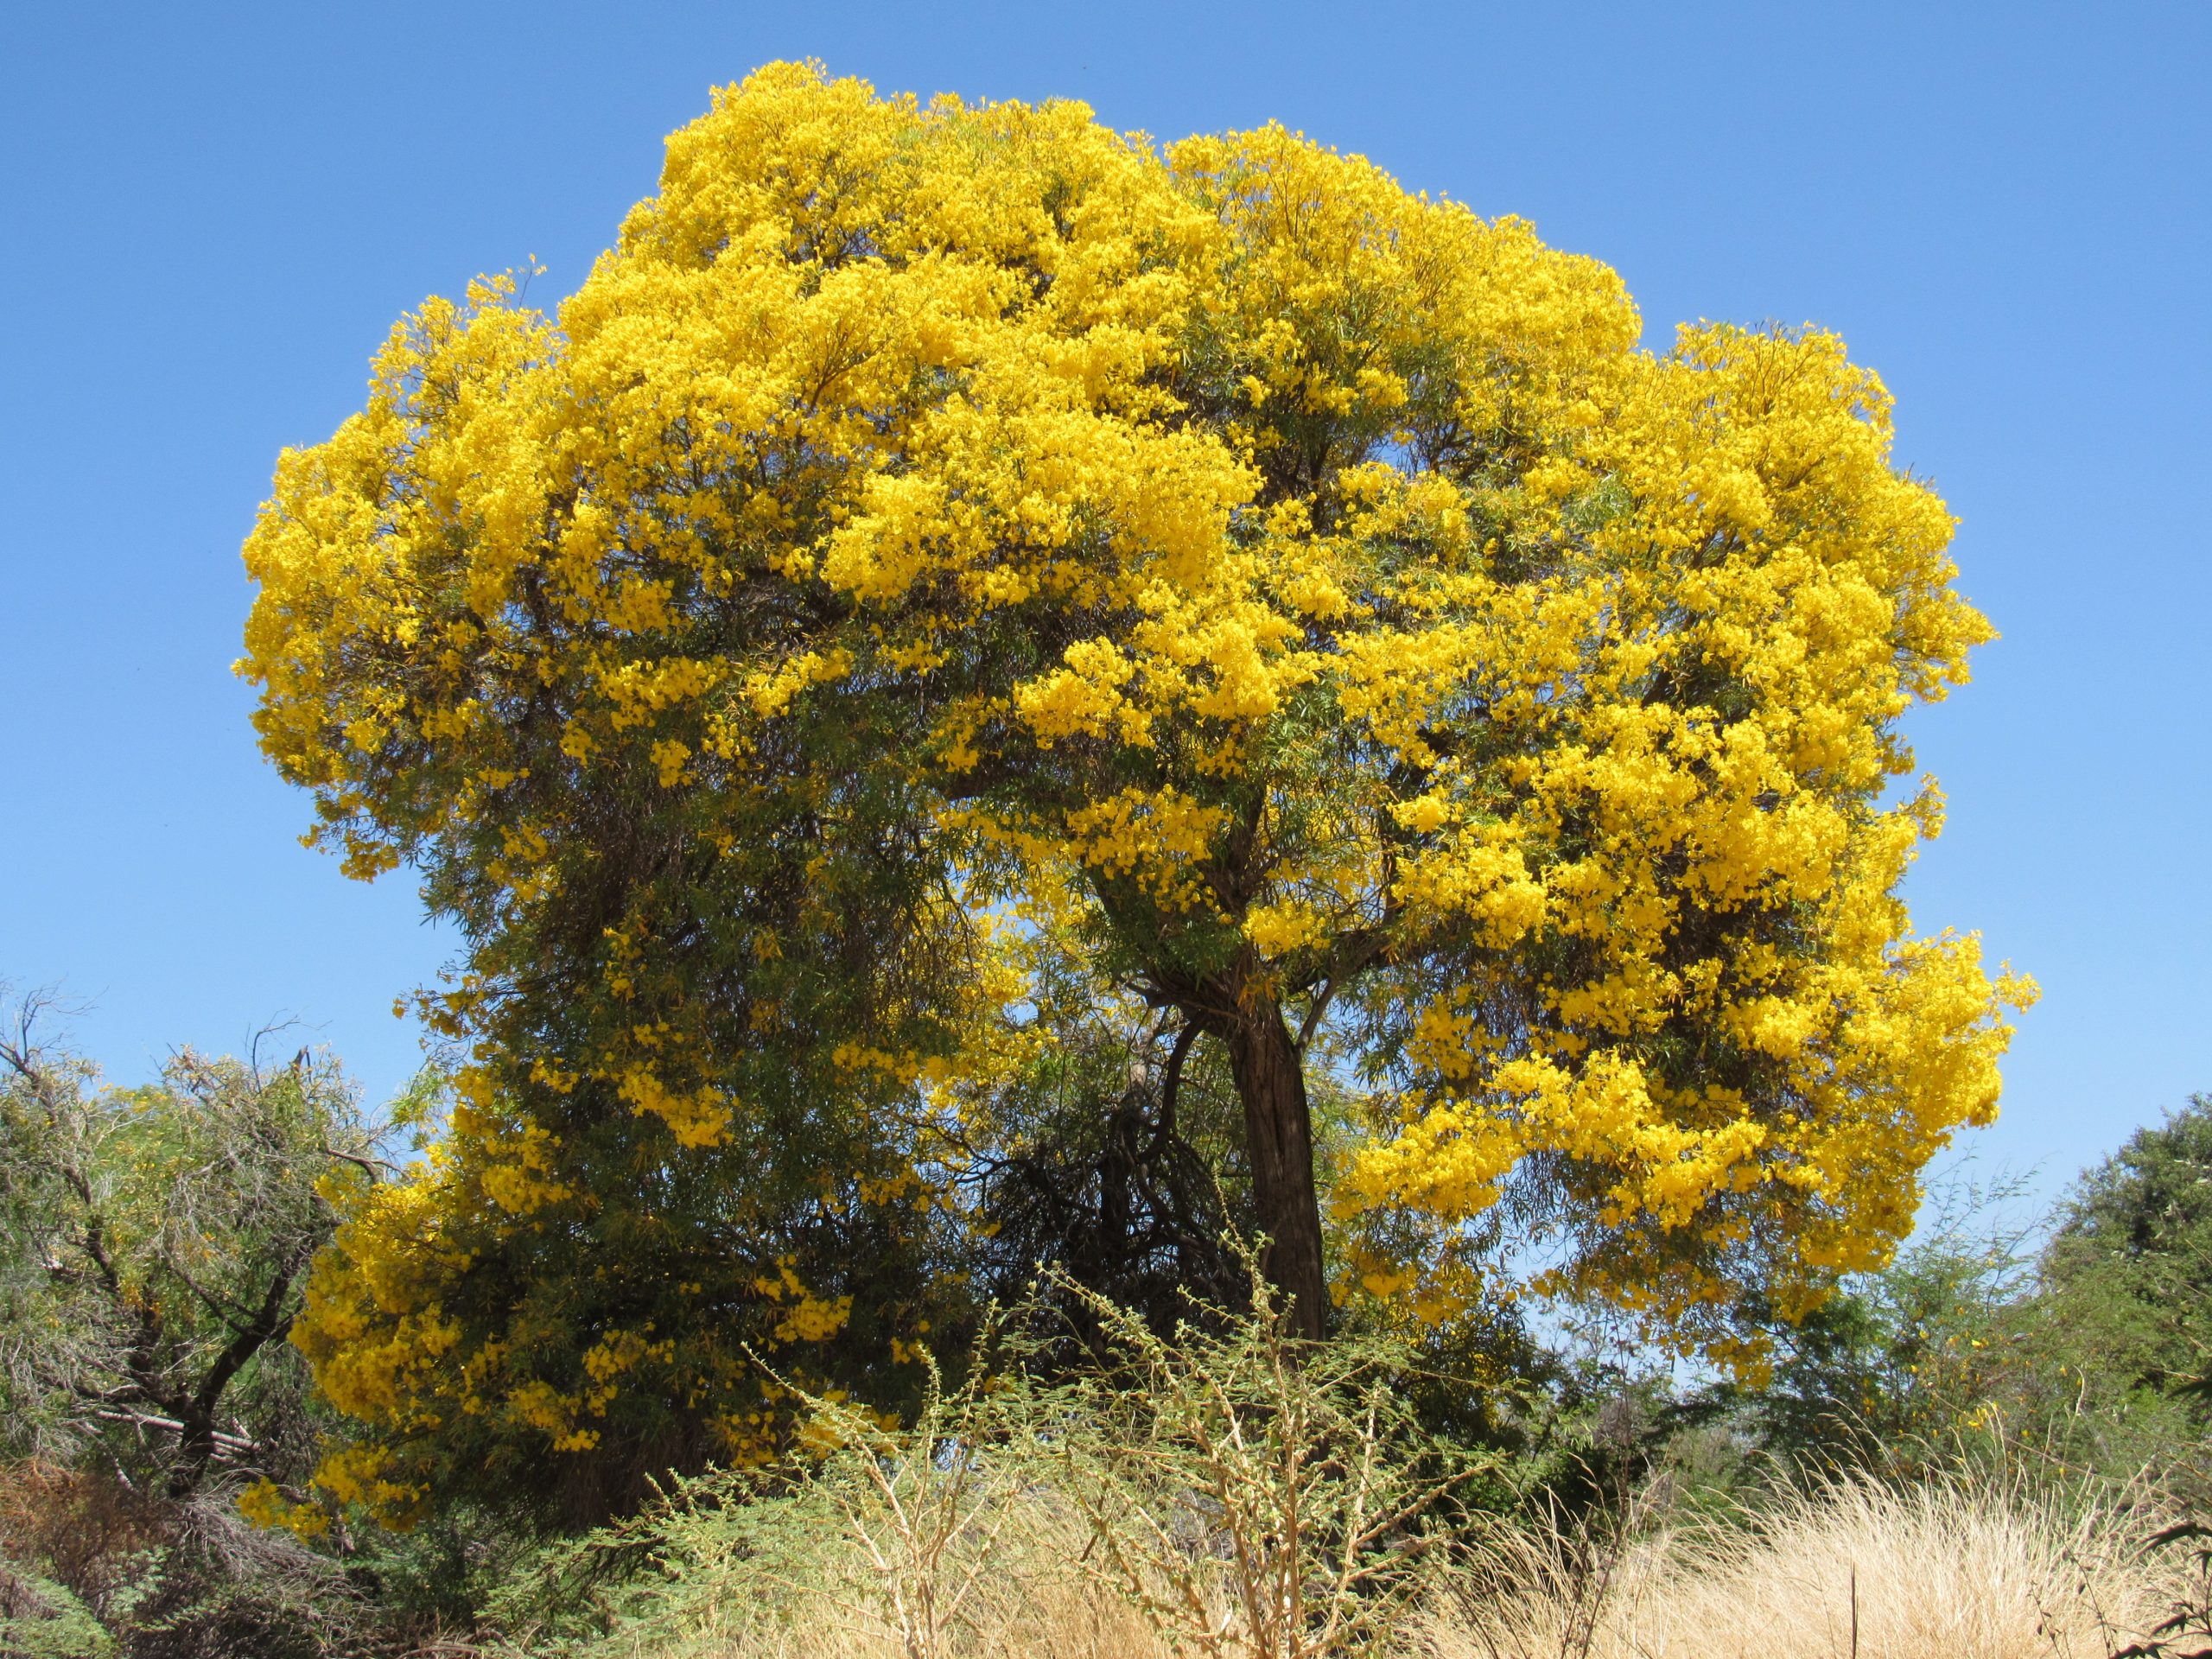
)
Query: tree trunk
[{"x": 1279, "y": 1138}]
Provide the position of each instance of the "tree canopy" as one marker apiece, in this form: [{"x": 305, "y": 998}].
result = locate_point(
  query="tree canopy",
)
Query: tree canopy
[{"x": 953, "y": 571}]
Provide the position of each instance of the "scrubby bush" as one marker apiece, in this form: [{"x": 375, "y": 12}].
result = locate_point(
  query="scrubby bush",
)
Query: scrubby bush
[{"x": 1234, "y": 1489}]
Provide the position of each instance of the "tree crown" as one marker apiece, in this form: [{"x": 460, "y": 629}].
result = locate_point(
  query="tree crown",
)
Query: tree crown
[{"x": 939, "y": 534}]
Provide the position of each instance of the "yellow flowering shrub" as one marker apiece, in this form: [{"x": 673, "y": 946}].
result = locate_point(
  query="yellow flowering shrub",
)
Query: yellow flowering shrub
[{"x": 1303, "y": 597}]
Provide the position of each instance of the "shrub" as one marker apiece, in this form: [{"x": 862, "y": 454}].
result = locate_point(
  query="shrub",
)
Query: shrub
[{"x": 1234, "y": 1489}]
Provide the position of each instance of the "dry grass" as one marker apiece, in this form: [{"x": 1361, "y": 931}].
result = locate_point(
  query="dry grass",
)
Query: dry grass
[
  {"x": 1061, "y": 1623},
  {"x": 1861, "y": 1570},
  {"x": 1032, "y": 1599}
]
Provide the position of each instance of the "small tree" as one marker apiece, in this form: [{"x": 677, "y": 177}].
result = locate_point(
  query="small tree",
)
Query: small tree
[{"x": 154, "y": 1243}]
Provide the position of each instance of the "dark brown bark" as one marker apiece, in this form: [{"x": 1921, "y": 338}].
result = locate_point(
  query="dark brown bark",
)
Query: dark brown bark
[{"x": 1270, "y": 1078}]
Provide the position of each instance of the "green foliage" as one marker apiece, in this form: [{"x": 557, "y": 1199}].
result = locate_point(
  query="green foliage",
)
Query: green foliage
[
  {"x": 145, "y": 1575},
  {"x": 153, "y": 1243},
  {"x": 40, "y": 1619},
  {"x": 2128, "y": 1273},
  {"x": 1885, "y": 1377}
]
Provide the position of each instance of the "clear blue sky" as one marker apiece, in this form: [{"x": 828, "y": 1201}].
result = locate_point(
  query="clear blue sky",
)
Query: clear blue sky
[{"x": 213, "y": 212}]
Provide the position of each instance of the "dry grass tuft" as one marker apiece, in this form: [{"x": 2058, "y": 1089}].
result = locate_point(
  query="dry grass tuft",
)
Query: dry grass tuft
[{"x": 1859, "y": 1570}]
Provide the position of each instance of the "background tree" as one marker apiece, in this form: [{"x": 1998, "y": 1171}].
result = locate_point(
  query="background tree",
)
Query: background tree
[
  {"x": 154, "y": 1246},
  {"x": 2132, "y": 1255},
  {"x": 2116, "y": 1342},
  {"x": 935, "y": 531}
]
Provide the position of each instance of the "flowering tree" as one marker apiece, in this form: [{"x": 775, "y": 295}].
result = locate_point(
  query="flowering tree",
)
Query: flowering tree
[{"x": 938, "y": 538}]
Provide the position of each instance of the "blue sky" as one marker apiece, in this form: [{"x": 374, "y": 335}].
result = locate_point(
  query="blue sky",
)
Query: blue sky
[{"x": 213, "y": 213}]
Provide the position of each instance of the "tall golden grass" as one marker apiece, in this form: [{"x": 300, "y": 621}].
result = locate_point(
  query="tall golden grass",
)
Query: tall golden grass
[{"x": 1856, "y": 1571}]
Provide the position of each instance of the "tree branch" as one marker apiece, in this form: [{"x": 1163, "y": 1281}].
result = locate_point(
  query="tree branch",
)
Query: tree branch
[{"x": 1171, "y": 1086}]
